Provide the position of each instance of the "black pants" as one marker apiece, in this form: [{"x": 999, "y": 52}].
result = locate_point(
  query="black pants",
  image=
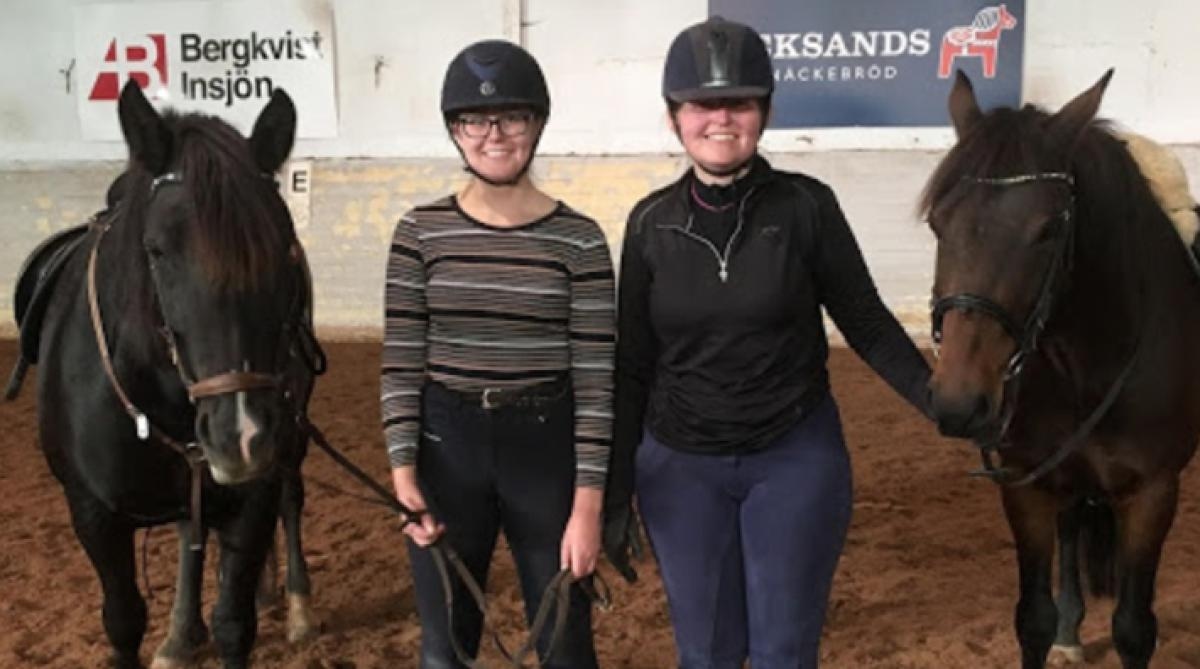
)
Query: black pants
[{"x": 483, "y": 470}]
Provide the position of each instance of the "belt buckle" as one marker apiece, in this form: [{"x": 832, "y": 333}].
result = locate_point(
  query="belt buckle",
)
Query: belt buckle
[{"x": 486, "y": 398}]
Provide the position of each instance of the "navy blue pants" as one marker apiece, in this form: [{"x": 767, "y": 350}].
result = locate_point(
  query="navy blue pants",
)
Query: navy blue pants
[
  {"x": 747, "y": 544},
  {"x": 482, "y": 471}
]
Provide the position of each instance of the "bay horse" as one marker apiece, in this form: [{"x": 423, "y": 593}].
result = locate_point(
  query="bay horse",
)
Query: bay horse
[
  {"x": 176, "y": 360},
  {"x": 1066, "y": 312}
]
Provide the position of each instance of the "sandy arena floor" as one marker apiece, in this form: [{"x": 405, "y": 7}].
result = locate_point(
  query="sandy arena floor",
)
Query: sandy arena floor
[{"x": 927, "y": 579}]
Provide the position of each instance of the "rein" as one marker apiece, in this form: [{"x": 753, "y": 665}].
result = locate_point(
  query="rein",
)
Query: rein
[
  {"x": 191, "y": 450},
  {"x": 1027, "y": 335}
]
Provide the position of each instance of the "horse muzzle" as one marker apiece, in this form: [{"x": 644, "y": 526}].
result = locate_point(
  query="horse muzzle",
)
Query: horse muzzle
[{"x": 239, "y": 432}]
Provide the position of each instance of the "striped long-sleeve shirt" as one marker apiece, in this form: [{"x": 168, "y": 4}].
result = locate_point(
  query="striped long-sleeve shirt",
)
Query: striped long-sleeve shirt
[{"x": 473, "y": 306}]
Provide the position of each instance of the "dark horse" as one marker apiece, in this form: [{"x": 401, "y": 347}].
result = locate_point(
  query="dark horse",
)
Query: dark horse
[
  {"x": 1068, "y": 316},
  {"x": 176, "y": 362}
]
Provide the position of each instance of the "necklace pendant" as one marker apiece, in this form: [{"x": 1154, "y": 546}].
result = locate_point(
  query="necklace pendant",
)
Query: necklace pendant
[{"x": 723, "y": 274}]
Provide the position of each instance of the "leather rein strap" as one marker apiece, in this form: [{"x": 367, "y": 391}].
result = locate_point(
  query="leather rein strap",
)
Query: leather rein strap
[{"x": 191, "y": 451}]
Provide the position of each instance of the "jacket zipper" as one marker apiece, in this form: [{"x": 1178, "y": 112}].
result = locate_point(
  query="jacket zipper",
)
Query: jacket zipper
[{"x": 722, "y": 258}]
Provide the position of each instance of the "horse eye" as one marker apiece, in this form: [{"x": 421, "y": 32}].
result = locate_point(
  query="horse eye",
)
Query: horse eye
[
  {"x": 154, "y": 251},
  {"x": 1050, "y": 230}
]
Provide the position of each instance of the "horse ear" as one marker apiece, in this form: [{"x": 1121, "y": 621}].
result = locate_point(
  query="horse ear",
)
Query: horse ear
[
  {"x": 146, "y": 134},
  {"x": 964, "y": 108},
  {"x": 1067, "y": 126},
  {"x": 274, "y": 132}
]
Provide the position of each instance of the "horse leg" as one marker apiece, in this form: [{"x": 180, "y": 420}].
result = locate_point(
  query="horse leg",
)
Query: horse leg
[
  {"x": 108, "y": 543},
  {"x": 1067, "y": 647},
  {"x": 1143, "y": 520},
  {"x": 268, "y": 583},
  {"x": 302, "y": 623},
  {"x": 187, "y": 633},
  {"x": 244, "y": 541},
  {"x": 1031, "y": 516}
]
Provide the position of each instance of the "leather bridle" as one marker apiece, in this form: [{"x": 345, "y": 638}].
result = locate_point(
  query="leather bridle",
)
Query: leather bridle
[
  {"x": 1024, "y": 332},
  {"x": 1027, "y": 333},
  {"x": 213, "y": 386}
]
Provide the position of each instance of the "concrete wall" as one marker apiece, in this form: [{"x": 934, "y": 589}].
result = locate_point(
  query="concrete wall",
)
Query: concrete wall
[{"x": 606, "y": 145}]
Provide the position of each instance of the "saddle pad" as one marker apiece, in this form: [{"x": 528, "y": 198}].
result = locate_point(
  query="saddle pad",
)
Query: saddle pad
[
  {"x": 1168, "y": 182},
  {"x": 35, "y": 285}
]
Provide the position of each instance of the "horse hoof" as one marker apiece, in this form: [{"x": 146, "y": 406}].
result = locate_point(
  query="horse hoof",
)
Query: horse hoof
[
  {"x": 1065, "y": 656},
  {"x": 302, "y": 623},
  {"x": 163, "y": 662},
  {"x": 176, "y": 654}
]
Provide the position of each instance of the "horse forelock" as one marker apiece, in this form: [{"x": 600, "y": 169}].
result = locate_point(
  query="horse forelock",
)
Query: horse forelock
[
  {"x": 242, "y": 229},
  {"x": 1003, "y": 143}
]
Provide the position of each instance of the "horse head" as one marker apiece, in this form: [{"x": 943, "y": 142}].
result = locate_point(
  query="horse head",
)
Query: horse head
[
  {"x": 208, "y": 231},
  {"x": 1001, "y": 205}
]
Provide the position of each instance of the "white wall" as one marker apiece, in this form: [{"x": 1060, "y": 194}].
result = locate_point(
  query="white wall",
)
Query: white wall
[
  {"x": 606, "y": 145},
  {"x": 604, "y": 61}
]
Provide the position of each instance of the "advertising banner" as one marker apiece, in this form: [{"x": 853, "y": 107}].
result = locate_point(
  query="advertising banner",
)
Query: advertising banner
[
  {"x": 880, "y": 62},
  {"x": 218, "y": 58}
]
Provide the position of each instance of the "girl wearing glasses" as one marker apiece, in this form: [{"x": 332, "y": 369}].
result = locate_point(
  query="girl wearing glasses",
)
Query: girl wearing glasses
[
  {"x": 497, "y": 363},
  {"x": 743, "y": 479}
]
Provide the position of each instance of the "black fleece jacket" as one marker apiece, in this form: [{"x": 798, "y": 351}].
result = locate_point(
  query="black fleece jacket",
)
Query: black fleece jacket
[{"x": 722, "y": 349}]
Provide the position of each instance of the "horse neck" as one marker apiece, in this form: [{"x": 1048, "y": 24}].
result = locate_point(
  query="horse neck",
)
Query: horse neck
[{"x": 1113, "y": 289}]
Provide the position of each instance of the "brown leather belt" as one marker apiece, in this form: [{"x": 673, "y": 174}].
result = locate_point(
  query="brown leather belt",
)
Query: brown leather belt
[{"x": 535, "y": 395}]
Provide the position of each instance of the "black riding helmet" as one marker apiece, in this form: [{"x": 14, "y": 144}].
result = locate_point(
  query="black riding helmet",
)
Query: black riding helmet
[
  {"x": 717, "y": 59},
  {"x": 494, "y": 73},
  {"x": 489, "y": 74}
]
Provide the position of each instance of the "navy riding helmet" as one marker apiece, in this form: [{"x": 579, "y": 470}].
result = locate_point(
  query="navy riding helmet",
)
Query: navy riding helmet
[{"x": 717, "y": 59}]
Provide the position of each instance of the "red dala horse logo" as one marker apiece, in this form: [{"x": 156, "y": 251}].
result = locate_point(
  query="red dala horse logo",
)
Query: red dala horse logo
[{"x": 981, "y": 39}]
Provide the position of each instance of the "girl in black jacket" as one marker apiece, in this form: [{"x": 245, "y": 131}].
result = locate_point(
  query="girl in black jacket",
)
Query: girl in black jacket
[{"x": 742, "y": 475}]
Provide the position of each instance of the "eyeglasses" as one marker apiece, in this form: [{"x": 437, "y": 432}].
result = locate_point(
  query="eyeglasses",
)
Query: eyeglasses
[{"x": 510, "y": 124}]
